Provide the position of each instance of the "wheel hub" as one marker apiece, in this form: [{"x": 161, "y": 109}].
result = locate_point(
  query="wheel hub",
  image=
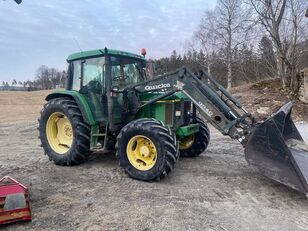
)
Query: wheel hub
[
  {"x": 145, "y": 151},
  {"x": 59, "y": 132},
  {"x": 187, "y": 142},
  {"x": 141, "y": 152},
  {"x": 68, "y": 130}
]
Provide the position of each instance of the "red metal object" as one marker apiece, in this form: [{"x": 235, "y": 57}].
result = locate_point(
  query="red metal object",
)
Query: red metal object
[{"x": 10, "y": 188}]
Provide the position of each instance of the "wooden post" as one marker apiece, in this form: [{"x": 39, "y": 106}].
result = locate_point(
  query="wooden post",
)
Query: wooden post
[{"x": 306, "y": 84}]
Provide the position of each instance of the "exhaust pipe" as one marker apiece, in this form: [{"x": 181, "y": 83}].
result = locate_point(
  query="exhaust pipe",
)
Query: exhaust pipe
[{"x": 276, "y": 149}]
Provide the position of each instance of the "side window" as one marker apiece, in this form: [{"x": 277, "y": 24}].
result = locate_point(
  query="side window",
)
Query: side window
[
  {"x": 93, "y": 71},
  {"x": 76, "y": 75}
]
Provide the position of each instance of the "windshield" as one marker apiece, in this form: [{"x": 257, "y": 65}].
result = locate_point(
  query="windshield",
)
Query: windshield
[{"x": 126, "y": 71}]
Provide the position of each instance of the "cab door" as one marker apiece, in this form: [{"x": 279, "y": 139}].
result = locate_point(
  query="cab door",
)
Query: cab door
[{"x": 90, "y": 73}]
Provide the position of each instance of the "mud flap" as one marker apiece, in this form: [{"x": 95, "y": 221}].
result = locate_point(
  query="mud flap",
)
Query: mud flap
[{"x": 276, "y": 149}]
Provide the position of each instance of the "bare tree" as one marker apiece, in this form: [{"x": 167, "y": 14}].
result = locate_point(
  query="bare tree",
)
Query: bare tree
[
  {"x": 52, "y": 74},
  {"x": 294, "y": 34},
  {"x": 227, "y": 26},
  {"x": 42, "y": 77},
  {"x": 282, "y": 19},
  {"x": 267, "y": 58},
  {"x": 205, "y": 40}
]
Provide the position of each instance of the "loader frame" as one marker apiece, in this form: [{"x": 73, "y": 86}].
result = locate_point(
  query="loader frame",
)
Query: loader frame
[{"x": 223, "y": 111}]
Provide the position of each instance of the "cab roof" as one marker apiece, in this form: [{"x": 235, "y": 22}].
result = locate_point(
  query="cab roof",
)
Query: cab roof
[{"x": 101, "y": 52}]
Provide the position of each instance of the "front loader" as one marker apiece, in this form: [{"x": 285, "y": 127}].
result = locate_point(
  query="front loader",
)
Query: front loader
[{"x": 110, "y": 104}]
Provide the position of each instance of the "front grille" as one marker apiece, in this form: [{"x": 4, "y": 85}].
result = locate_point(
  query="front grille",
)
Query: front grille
[{"x": 169, "y": 114}]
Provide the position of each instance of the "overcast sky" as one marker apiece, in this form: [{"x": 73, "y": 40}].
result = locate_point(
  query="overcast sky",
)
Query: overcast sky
[{"x": 40, "y": 32}]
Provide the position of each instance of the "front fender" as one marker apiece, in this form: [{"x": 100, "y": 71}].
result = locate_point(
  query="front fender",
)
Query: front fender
[{"x": 80, "y": 100}]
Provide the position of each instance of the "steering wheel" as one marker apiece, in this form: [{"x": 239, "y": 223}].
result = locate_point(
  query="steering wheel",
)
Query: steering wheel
[
  {"x": 95, "y": 86},
  {"x": 120, "y": 77}
]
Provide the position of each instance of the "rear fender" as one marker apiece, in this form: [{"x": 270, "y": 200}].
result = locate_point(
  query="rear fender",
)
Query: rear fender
[
  {"x": 85, "y": 111},
  {"x": 81, "y": 102}
]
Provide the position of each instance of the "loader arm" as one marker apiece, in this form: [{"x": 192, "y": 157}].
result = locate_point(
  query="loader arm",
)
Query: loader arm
[
  {"x": 273, "y": 147},
  {"x": 222, "y": 115}
]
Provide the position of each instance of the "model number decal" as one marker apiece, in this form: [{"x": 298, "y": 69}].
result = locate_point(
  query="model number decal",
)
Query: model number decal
[
  {"x": 155, "y": 87},
  {"x": 207, "y": 111}
]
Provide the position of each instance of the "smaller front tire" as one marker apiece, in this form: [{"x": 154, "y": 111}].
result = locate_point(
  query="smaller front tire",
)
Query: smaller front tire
[
  {"x": 147, "y": 149},
  {"x": 196, "y": 144}
]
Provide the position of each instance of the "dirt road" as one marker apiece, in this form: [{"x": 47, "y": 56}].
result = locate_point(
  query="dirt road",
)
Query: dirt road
[{"x": 216, "y": 191}]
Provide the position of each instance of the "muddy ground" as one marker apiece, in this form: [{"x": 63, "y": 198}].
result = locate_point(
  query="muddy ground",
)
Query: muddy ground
[
  {"x": 216, "y": 191},
  {"x": 266, "y": 97}
]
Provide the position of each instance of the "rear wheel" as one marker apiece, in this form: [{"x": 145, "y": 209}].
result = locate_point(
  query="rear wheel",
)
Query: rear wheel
[
  {"x": 64, "y": 135},
  {"x": 195, "y": 144},
  {"x": 147, "y": 149}
]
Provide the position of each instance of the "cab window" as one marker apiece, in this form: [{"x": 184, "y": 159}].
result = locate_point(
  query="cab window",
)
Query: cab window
[
  {"x": 125, "y": 71},
  {"x": 76, "y": 66},
  {"x": 89, "y": 71},
  {"x": 93, "y": 71}
]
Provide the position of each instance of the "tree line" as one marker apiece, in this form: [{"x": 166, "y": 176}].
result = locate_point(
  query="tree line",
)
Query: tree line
[
  {"x": 45, "y": 78},
  {"x": 246, "y": 41}
]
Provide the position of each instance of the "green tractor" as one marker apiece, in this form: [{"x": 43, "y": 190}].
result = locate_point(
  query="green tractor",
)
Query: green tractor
[
  {"x": 96, "y": 111},
  {"x": 110, "y": 104}
]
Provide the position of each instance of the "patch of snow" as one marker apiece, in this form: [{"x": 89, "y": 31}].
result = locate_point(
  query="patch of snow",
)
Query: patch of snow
[
  {"x": 263, "y": 110},
  {"x": 303, "y": 130}
]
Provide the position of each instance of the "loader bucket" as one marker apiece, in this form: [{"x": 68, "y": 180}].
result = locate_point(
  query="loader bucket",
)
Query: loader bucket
[{"x": 276, "y": 149}]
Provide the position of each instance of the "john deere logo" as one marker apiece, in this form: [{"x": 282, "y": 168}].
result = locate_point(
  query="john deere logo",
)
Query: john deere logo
[{"x": 155, "y": 87}]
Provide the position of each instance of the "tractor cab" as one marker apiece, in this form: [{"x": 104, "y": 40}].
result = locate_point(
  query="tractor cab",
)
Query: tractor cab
[{"x": 95, "y": 74}]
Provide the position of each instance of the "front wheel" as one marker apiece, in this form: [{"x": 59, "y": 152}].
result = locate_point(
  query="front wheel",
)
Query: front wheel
[
  {"x": 147, "y": 149},
  {"x": 195, "y": 144}
]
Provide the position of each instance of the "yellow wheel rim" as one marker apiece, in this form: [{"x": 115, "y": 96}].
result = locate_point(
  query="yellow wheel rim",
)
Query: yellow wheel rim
[
  {"x": 141, "y": 152},
  {"x": 187, "y": 142},
  {"x": 59, "y": 132}
]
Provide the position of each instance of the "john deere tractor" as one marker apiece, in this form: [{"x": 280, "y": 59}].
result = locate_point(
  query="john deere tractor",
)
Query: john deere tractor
[{"x": 109, "y": 103}]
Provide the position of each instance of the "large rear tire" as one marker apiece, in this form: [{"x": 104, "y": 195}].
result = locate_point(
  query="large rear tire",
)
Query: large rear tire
[
  {"x": 64, "y": 135},
  {"x": 196, "y": 144},
  {"x": 147, "y": 149}
]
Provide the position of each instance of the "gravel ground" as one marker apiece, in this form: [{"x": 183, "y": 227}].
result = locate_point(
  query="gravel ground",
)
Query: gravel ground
[{"x": 216, "y": 191}]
